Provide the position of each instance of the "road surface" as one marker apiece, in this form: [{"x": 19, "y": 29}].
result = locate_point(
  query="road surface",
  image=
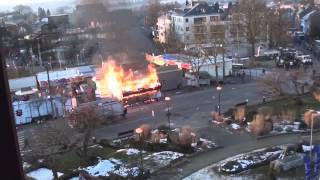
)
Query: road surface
[{"x": 186, "y": 109}]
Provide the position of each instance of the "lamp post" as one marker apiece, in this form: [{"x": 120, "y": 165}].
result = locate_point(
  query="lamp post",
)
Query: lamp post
[
  {"x": 139, "y": 131},
  {"x": 219, "y": 89},
  {"x": 167, "y": 99},
  {"x": 78, "y": 60}
]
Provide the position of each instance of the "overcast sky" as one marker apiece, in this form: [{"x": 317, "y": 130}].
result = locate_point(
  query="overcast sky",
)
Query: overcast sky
[{"x": 48, "y": 4}]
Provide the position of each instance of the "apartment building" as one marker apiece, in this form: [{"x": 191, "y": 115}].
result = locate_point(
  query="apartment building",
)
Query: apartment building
[{"x": 196, "y": 23}]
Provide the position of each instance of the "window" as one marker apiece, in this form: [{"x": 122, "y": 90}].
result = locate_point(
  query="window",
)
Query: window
[
  {"x": 200, "y": 29},
  {"x": 187, "y": 20},
  {"x": 187, "y": 28},
  {"x": 199, "y": 20},
  {"x": 214, "y": 18}
]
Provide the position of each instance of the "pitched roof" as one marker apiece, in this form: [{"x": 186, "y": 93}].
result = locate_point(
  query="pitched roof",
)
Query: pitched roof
[
  {"x": 199, "y": 9},
  {"x": 305, "y": 12}
]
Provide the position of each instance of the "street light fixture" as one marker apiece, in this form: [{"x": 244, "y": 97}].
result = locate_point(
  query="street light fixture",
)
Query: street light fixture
[
  {"x": 139, "y": 131},
  {"x": 219, "y": 89},
  {"x": 168, "y": 99}
]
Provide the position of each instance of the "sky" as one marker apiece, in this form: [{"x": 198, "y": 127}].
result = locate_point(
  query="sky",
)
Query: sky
[{"x": 34, "y": 4}]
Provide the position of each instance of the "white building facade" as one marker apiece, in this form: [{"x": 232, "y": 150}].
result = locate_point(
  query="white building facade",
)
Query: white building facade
[{"x": 197, "y": 23}]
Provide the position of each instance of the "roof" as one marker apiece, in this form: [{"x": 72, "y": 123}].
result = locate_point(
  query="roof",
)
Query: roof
[
  {"x": 307, "y": 16},
  {"x": 86, "y": 71},
  {"x": 199, "y": 9},
  {"x": 21, "y": 83},
  {"x": 56, "y": 75},
  {"x": 305, "y": 12}
]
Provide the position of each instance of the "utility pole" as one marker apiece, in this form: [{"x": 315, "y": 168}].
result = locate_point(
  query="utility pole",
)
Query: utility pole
[
  {"x": 50, "y": 58},
  {"x": 49, "y": 87},
  {"x": 39, "y": 52}
]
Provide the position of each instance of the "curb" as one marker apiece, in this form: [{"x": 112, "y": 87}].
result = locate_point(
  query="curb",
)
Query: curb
[
  {"x": 288, "y": 133},
  {"x": 184, "y": 159}
]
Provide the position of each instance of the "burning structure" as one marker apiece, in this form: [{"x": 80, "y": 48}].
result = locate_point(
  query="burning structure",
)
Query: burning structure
[{"x": 127, "y": 85}]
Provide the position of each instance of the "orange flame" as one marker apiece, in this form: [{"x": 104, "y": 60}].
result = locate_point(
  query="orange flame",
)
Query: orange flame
[{"x": 113, "y": 81}]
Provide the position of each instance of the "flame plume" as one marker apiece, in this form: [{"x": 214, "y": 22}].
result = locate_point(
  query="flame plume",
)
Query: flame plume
[{"x": 113, "y": 81}]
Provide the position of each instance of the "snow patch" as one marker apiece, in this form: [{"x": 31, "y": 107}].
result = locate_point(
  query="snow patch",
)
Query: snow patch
[
  {"x": 235, "y": 126},
  {"x": 41, "y": 174},
  {"x": 105, "y": 167},
  {"x": 132, "y": 151},
  {"x": 26, "y": 165},
  {"x": 164, "y": 158},
  {"x": 164, "y": 140},
  {"x": 96, "y": 146},
  {"x": 124, "y": 171},
  {"x": 306, "y": 148},
  {"x": 101, "y": 169}
]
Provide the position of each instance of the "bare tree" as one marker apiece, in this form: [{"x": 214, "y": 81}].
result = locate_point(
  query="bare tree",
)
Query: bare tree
[
  {"x": 311, "y": 116},
  {"x": 85, "y": 120},
  {"x": 196, "y": 58},
  {"x": 252, "y": 13},
  {"x": 218, "y": 44},
  {"x": 272, "y": 82},
  {"x": 22, "y": 9},
  {"x": 154, "y": 9},
  {"x": 261, "y": 125},
  {"x": 173, "y": 43},
  {"x": 281, "y": 82},
  {"x": 276, "y": 28},
  {"x": 52, "y": 138}
]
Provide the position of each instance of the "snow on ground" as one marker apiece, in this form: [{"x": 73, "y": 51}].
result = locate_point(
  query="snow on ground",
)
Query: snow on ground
[
  {"x": 279, "y": 128},
  {"x": 235, "y": 126},
  {"x": 244, "y": 160},
  {"x": 42, "y": 174},
  {"x": 164, "y": 140},
  {"x": 26, "y": 165},
  {"x": 101, "y": 169},
  {"x": 107, "y": 166},
  {"x": 132, "y": 151},
  {"x": 96, "y": 146},
  {"x": 60, "y": 174},
  {"x": 208, "y": 144},
  {"x": 163, "y": 158},
  {"x": 306, "y": 148},
  {"x": 124, "y": 171}
]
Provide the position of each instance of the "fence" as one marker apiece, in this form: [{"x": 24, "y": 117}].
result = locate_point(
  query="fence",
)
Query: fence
[{"x": 248, "y": 74}]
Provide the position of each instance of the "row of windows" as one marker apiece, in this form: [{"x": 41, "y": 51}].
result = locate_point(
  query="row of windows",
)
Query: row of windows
[
  {"x": 200, "y": 37},
  {"x": 215, "y": 28},
  {"x": 198, "y": 20}
]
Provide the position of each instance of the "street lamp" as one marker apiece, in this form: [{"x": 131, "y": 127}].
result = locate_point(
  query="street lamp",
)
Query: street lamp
[
  {"x": 167, "y": 99},
  {"x": 78, "y": 60},
  {"x": 139, "y": 131},
  {"x": 219, "y": 89}
]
